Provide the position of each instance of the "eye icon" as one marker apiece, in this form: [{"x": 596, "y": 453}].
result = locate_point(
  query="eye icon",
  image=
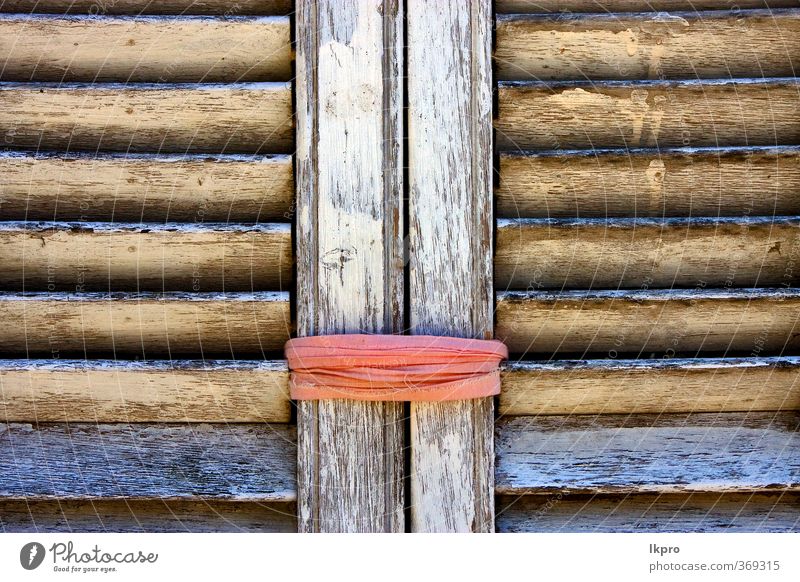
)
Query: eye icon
[{"x": 31, "y": 555}]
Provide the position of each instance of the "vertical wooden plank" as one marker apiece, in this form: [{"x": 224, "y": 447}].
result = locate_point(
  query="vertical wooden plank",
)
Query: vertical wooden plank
[
  {"x": 349, "y": 250},
  {"x": 450, "y": 219}
]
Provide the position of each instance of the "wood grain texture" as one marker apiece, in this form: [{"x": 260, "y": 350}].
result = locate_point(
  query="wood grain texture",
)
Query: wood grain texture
[
  {"x": 349, "y": 250},
  {"x": 124, "y": 391},
  {"x": 724, "y": 452},
  {"x": 760, "y": 181},
  {"x": 253, "y": 462},
  {"x": 647, "y": 253},
  {"x": 675, "y": 45},
  {"x": 144, "y": 324},
  {"x": 101, "y": 7},
  {"x": 145, "y": 187},
  {"x": 648, "y": 114},
  {"x": 145, "y": 257},
  {"x": 145, "y": 49},
  {"x": 450, "y": 249},
  {"x": 651, "y": 386},
  {"x": 143, "y": 516},
  {"x": 603, "y": 6},
  {"x": 232, "y": 118},
  {"x": 690, "y": 513},
  {"x": 651, "y": 323}
]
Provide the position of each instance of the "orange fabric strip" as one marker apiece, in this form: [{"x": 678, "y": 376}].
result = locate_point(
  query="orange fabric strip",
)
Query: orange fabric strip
[{"x": 393, "y": 367}]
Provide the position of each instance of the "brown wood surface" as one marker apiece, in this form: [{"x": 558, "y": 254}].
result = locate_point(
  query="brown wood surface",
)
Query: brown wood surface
[
  {"x": 647, "y": 253},
  {"x": 238, "y": 462},
  {"x": 651, "y": 386},
  {"x": 129, "y": 391},
  {"x": 142, "y": 516},
  {"x": 642, "y": 513},
  {"x": 101, "y": 7},
  {"x": 676, "y": 45},
  {"x": 144, "y": 49},
  {"x": 604, "y": 6},
  {"x": 145, "y": 257},
  {"x": 650, "y": 323},
  {"x": 145, "y": 187},
  {"x": 648, "y": 453},
  {"x": 144, "y": 324},
  {"x": 648, "y": 114},
  {"x": 233, "y": 118},
  {"x": 349, "y": 251},
  {"x": 762, "y": 181}
]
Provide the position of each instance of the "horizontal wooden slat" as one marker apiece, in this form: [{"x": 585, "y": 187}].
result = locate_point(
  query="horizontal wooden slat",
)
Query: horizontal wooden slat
[
  {"x": 148, "y": 257},
  {"x": 688, "y": 513},
  {"x": 602, "y": 6},
  {"x": 650, "y": 323},
  {"x": 761, "y": 181},
  {"x": 145, "y": 187},
  {"x": 142, "y": 516},
  {"x": 253, "y": 462},
  {"x": 120, "y": 391},
  {"x": 726, "y": 452},
  {"x": 676, "y": 45},
  {"x": 144, "y": 324},
  {"x": 651, "y": 386},
  {"x": 647, "y": 253},
  {"x": 648, "y": 114},
  {"x": 145, "y": 49},
  {"x": 99, "y": 7},
  {"x": 233, "y": 118}
]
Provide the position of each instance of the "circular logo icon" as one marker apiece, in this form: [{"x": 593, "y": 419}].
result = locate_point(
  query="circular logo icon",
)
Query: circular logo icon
[{"x": 31, "y": 555}]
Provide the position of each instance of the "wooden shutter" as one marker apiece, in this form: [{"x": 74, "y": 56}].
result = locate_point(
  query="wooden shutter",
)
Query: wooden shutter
[
  {"x": 146, "y": 194},
  {"x": 647, "y": 265}
]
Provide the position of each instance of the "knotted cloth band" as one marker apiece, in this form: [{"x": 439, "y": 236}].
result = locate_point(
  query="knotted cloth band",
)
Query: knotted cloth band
[{"x": 393, "y": 367}]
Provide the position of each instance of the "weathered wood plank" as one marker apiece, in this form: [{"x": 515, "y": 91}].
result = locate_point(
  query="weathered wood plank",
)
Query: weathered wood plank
[
  {"x": 691, "y": 513},
  {"x": 145, "y": 187},
  {"x": 148, "y": 461},
  {"x": 650, "y": 323},
  {"x": 651, "y": 386},
  {"x": 142, "y": 516},
  {"x": 761, "y": 181},
  {"x": 144, "y": 324},
  {"x": 100, "y": 7},
  {"x": 119, "y": 391},
  {"x": 145, "y": 49},
  {"x": 724, "y": 452},
  {"x": 145, "y": 257},
  {"x": 232, "y": 118},
  {"x": 349, "y": 250},
  {"x": 450, "y": 249},
  {"x": 675, "y": 45},
  {"x": 647, "y": 253},
  {"x": 648, "y": 113},
  {"x": 602, "y": 6}
]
